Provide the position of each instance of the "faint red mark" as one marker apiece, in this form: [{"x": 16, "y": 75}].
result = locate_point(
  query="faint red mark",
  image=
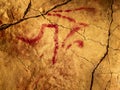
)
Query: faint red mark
[
  {"x": 64, "y": 17},
  {"x": 68, "y": 46},
  {"x": 41, "y": 55},
  {"x": 76, "y": 27},
  {"x": 77, "y": 9},
  {"x": 80, "y": 43},
  {"x": 73, "y": 31},
  {"x": 0, "y": 22}
]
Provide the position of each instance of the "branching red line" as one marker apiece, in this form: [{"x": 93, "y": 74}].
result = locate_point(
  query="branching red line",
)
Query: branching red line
[
  {"x": 73, "y": 31},
  {"x": 40, "y": 35},
  {"x": 32, "y": 41}
]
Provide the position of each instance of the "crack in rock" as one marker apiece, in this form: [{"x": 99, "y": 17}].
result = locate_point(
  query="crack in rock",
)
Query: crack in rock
[
  {"x": 5, "y": 26},
  {"x": 107, "y": 47},
  {"x": 27, "y": 9}
]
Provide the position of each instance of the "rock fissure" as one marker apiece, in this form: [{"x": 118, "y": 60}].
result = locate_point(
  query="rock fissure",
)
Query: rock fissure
[{"x": 107, "y": 47}]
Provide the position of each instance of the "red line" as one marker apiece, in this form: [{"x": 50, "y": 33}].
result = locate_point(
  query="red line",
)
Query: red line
[
  {"x": 61, "y": 16},
  {"x": 68, "y": 46},
  {"x": 80, "y": 43},
  {"x": 0, "y": 22},
  {"x": 39, "y": 36},
  {"x": 55, "y": 26},
  {"x": 72, "y": 32},
  {"x": 77, "y": 9},
  {"x": 33, "y": 40}
]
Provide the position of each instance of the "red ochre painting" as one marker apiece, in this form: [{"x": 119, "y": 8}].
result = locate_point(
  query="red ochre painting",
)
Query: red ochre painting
[{"x": 75, "y": 28}]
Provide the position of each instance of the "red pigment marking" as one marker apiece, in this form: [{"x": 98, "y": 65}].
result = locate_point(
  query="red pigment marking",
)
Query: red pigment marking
[
  {"x": 39, "y": 36},
  {"x": 0, "y": 22},
  {"x": 37, "y": 80},
  {"x": 33, "y": 40},
  {"x": 72, "y": 32},
  {"x": 41, "y": 55},
  {"x": 68, "y": 46},
  {"x": 75, "y": 29},
  {"x": 85, "y": 8},
  {"x": 55, "y": 26},
  {"x": 83, "y": 24},
  {"x": 77, "y": 9},
  {"x": 61, "y": 16},
  {"x": 80, "y": 43}
]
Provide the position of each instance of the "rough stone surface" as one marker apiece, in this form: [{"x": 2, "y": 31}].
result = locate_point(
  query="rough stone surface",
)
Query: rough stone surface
[{"x": 59, "y": 45}]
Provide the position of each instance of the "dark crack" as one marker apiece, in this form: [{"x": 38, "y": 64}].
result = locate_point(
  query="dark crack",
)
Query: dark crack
[
  {"x": 27, "y": 9},
  {"x": 5, "y": 26},
  {"x": 55, "y": 23},
  {"x": 107, "y": 47}
]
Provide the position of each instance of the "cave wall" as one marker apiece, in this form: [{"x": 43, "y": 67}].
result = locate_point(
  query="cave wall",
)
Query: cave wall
[{"x": 59, "y": 45}]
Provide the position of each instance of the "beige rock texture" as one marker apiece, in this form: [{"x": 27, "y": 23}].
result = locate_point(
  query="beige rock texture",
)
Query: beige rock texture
[{"x": 59, "y": 45}]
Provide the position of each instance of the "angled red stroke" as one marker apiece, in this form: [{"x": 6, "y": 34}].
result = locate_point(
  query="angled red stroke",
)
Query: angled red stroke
[
  {"x": 79, "y": 42},
  {"x": 39, "y": 36},
  {"x": 64, "y": 17},
  {"x": 72, "y": 32},
  {"x": 76, "y": 9}
]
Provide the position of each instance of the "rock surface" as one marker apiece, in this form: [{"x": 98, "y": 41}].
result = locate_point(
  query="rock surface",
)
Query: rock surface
[{"x": 59, "y": 45}]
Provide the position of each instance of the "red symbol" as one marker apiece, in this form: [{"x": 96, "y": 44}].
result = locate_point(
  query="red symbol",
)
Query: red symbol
[{"x": 76, "y": 27}]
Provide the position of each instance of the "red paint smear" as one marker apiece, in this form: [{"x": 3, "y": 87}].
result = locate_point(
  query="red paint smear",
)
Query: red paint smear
[
  {"x": 37, "y": 81},
  {"x": 68, "y": 46},
  {"x": 68, "y": 10},
  {"x": 85, "y": 8},
  {"x": 55, "y": 26},
  {"x": 39, "y": 36},
  {"x": 0, "y": 22},
  {"x": 64, "y": 17},
  {"x": 80, "y": 43},
  {"x": 77, "y": 9},
  {"x": 83, "y": 24},
  {"x": 33, "y": 40},
  {"x": 73, "y": 31}
]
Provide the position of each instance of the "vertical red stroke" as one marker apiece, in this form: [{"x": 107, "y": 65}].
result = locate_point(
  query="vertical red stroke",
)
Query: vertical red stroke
[
  {"x": 64, "y": 17},
  {"x": 76, "y": 9},
  {"x": 39, "y": 36},
  {"x": 55, "y": 26}
]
